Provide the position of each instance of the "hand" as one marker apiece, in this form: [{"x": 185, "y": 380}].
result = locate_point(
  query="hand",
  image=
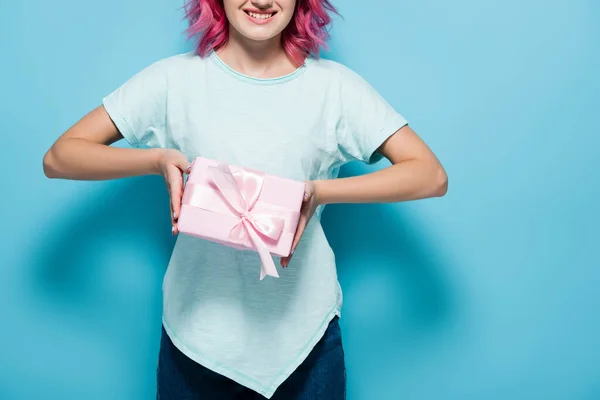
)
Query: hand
[
  {"x": 172, "y": 164},
  {"x": 309, "y": 205}
]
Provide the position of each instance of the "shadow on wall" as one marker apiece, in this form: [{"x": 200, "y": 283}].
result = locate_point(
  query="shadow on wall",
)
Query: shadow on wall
[
  {"x": 395, "y": 286},
  {"x": 128, "y": 215},
  {"x": 96, "y": 273}
]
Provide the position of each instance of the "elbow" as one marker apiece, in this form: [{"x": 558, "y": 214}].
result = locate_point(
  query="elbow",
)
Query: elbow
[
  {"x": 440, "y": 188},
  {"x": 49, "y": 165}
]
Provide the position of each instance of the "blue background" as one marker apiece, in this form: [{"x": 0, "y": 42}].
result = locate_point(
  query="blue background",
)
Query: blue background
[{"x": 488, "y": 293}]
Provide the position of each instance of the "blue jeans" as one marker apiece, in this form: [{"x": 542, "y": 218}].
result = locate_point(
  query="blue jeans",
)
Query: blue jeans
[{"x": 321, "y": 376}]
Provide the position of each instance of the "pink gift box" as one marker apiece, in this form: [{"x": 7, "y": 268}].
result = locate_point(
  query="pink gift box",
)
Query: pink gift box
[{"x": 241, "y": 208}]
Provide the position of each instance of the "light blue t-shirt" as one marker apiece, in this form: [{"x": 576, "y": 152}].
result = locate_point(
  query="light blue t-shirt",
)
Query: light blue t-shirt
[{"x": 302, "y": 126}]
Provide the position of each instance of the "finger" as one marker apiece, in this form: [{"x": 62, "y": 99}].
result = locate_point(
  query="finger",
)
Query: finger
[
  {"x": 175, "y": 195},
  {"x": 174, "y": 230},
  {"x": 306, "y": 197},
  {"x": 183, "y": 164},
  {"x": 173, "y": 221},
  {"x": 175, "y": 199},
  {"x": 168, "y": 184},
  {"x": 299, "y": 231},
  {"x": 285, "y": 261}
]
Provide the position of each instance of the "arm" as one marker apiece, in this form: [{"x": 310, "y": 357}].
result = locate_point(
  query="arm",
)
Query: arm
[
  {"x": 415, "y": 174},
  {"x": 83, "y": 152}
]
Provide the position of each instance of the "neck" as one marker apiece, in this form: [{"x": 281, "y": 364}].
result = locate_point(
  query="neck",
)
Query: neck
[{"x": 260, "y": 59}]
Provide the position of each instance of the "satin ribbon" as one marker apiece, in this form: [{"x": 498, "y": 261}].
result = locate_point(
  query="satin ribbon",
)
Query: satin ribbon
[{"x": 241, "y": 198}]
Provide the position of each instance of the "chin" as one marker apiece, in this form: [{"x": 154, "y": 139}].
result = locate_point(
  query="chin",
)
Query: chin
[{"x": 258, "y": 37}]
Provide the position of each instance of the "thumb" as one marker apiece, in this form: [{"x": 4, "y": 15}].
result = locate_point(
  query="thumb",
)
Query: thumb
[
  {"x": 307, "y": 193},
  {"x": 309, "y": 190},
  {"x": 183, "y": 164}
]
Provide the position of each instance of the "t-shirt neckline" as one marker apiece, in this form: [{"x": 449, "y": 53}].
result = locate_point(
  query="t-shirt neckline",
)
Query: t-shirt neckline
[{"x": 251, "y": 79}]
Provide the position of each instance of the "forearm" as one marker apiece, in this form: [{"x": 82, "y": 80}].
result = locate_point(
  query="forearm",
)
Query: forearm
[
  {"x": 80, "y": 159},
  {"x": 408, "y": 180}
]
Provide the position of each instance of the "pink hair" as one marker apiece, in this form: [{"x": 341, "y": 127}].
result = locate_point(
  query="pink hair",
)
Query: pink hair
[{"x": 306, "y": 32}]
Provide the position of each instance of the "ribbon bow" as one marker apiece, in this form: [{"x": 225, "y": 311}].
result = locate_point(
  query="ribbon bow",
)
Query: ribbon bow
[{"x": 242, "y": 198}]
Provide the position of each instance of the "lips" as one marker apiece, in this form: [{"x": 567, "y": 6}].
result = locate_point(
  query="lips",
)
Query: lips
[{"x": 260, "y": 15}]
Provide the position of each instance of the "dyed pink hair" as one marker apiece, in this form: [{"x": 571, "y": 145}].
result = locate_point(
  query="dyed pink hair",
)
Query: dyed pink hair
[{"x": 303, "y": 36}]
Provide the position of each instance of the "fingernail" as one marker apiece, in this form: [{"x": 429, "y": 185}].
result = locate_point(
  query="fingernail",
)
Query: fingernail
[{"x": 173, "y": 230}]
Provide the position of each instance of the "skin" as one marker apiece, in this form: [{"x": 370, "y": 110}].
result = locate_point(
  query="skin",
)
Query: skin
[{"x": 84, "y": 151}]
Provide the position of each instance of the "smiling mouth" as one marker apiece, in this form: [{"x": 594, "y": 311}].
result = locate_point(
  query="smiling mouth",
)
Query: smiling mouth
[{"x": 260, "y": 16}]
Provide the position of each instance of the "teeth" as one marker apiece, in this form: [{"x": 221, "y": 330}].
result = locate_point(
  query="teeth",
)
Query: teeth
[{"x": 259, "y": 16}]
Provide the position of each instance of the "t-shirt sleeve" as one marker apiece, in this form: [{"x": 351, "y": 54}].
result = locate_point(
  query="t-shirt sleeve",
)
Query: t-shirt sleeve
[
  {"x": 139, "y": 107},
  {"x": 366, "y": 121}
]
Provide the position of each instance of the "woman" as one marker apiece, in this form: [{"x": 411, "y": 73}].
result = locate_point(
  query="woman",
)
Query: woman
[{"x": 254, "y": 93}]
